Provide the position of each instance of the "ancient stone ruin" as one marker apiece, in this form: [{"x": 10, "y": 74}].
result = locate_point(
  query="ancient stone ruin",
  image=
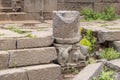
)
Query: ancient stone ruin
[
  {"x": 31, "y": 50},
  {"x": 66, "y": 25}
]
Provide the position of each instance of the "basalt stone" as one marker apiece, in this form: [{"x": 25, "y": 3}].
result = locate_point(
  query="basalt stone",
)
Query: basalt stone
[{"x": 66, "y": 25}]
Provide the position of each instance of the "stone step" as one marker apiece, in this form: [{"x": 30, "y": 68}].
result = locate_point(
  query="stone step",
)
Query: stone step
[
  {"x": 16, "y": 16},
  {"x": 38, "y": 72},
  {"x": 90, "y": 71},
  {"x": 114, "y": 64},
  {"x": 6, "y": 9},
  {"x": 109, "y": 33},
  {"x": 13, "y": 40},
  {"x": 24, "y": 57},
  {"x": 20, "y": 16}
]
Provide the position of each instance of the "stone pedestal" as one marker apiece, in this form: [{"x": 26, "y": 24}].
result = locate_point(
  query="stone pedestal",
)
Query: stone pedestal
[
  {"x": 66, "y": 31},
  {"x": 69, "y": 54},
  {"x": 66, "y": 26}
]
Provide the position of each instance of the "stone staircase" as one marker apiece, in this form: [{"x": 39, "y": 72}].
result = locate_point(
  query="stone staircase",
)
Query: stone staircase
[
  {"x": 11, "y": 11},
  {"x": 27, "y": 58}
]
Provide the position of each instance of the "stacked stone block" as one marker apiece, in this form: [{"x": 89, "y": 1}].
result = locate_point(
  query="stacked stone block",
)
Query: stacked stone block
[{"x": 27, "y": 58}]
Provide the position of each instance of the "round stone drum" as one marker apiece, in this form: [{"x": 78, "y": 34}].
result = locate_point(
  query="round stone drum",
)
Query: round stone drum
[{"x": 66, "y": 27}]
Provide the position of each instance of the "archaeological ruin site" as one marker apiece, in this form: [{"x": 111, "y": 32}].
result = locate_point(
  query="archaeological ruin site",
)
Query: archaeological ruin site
[{"x": 59, "y": 39}]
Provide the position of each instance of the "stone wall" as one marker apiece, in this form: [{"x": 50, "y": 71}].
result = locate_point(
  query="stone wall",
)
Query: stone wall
[
  {"x": 97, "y": 5},
  {"x": 37, "y": 7},
  {"x": 40, "y": 7}
]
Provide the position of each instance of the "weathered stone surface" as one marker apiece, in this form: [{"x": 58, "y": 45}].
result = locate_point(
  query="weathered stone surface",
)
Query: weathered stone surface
[
  {"x": 86, "y": 1},
  {"x": 109, "y": 1},
  {"x": 6, "y": 43},
  {"x": 32, "y": 5},
  {"x": 40, "y": 5},
  {"x": 74, "y": 6},
  {"x": 39, "y": 72},
  {"x": 116, "y": 44},
  {"x": 92, "y": 70},
  {"x": 44, "y": 72},
  {"x": 4, "y": 57},
  {"x": 3, "y": 17},
  {"x": 105, "y": 33},
  {"x": 50, "y": 5},
  {"x": 5, "y": 1},
  {"x": 115, "y": 64},
  {"x": 66, "y": 26},
  {"x": 43, "y": 39},
  {"x": 13, "y": 74},
  {"x": 108, "y": 35},
  {"x": 31, "y": 56},
  {"x": 99, "y": 7},
  {"x": 117, "y": 76},
  {"x": 70, "y": 54},
  {"x": 20, "y": 16}
]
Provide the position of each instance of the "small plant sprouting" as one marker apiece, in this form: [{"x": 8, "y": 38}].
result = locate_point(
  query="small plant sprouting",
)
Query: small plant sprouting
[
  {"x": 31, "y": 35},
  {"x": 106, "y": 74},
  {"x": 107, "y": 14},
  {"x": 110, "y": 54},
  {"x": 20, "y": 31},
  {"x": 89, "y": 40}
]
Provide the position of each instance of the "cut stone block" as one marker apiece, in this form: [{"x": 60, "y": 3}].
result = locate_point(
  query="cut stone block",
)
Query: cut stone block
[
  {"x": 25, "y": 57},
  {"x": 44, "y": 72},
  {"x": 13, "y": 74},
  {"x": 4, "y": 17},
  {"x": 49, "y": 7},
  {"x": 108, "y": 35},
  {"x": 4, "y": 57},
  {"x": 7, "y": 44},
  {"x": 85, "y": 1},
  {"x": 115, "y": 64},
  {"x": 116, "y": 44},
  {"x": 92, "y": 70},
  {"x": 5, "y": 1},
  {"x": 105, "y": 33},
  {"x": 66, "y": 26},
  {"x": 32, "y": 5},
  {"x": 39, "y": 72},
  {"x": 43, "y": 39},
  {"x": 20, "y": 16},
  {"x": 40, "y": 5}
]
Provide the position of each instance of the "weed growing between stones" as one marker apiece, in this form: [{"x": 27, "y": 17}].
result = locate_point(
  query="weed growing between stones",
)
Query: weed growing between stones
[
  {"x": 31, "y": 35},
  {"x": 20, "y": 31},
  {"x": 106, "y": 74},
  {"x": 89, "y": 40},
  {"x": 96, "y": 50},
  {"x": 71, "y": 70},
  {"x": 108, "y": 14},
  {"x": 110, "y": 54}
]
